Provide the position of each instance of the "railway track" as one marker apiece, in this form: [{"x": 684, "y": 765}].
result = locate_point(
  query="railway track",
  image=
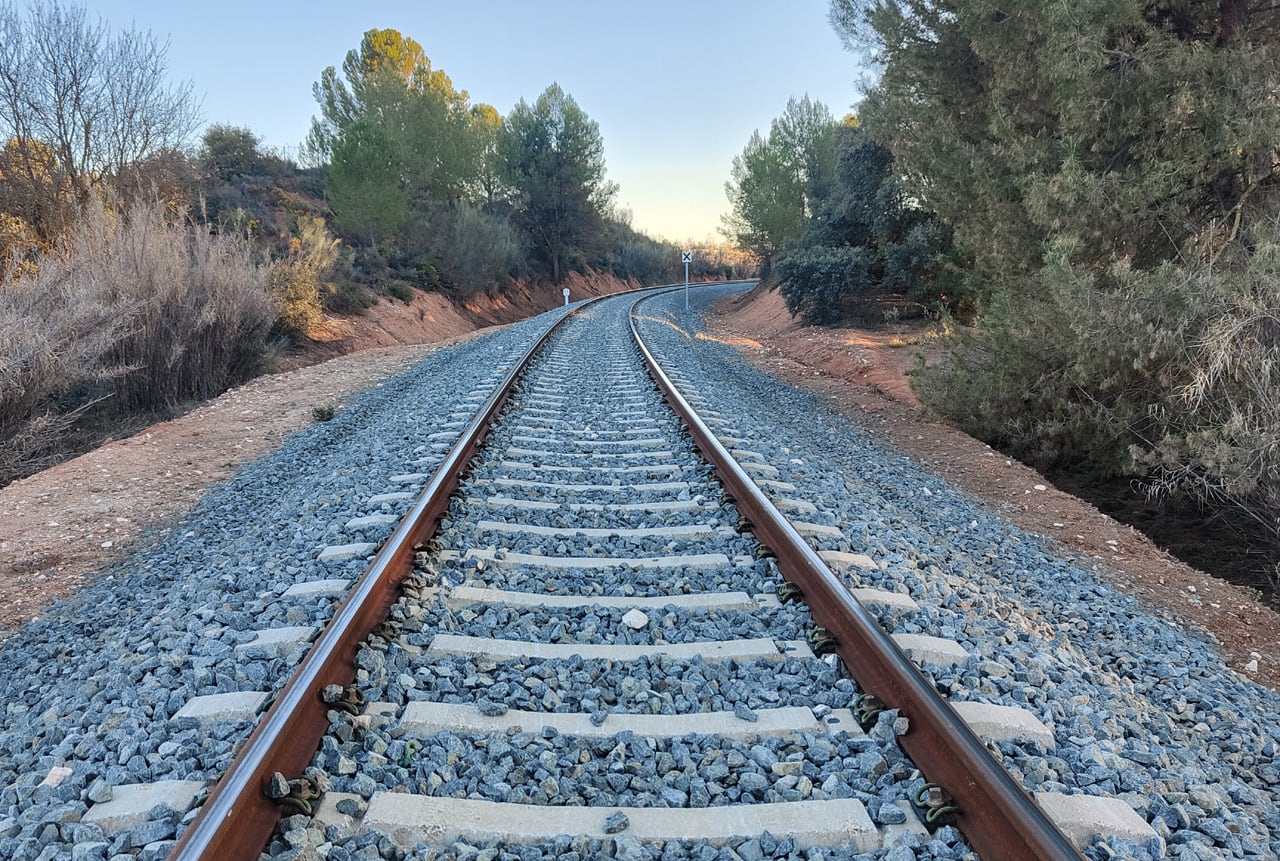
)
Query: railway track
[{"x": 579, "y": 648}]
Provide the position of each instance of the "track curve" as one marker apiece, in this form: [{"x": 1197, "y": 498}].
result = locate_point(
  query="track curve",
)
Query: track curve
[{"x": 586, "y": 519}]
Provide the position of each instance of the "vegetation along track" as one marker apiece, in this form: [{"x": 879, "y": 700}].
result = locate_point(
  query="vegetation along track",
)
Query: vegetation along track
[{"x": 591, "y": 656}]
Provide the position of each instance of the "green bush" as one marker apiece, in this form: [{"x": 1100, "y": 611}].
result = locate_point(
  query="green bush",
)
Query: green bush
[
  {"x": 820, "y": 283},
  {"x": 401, "y": 291},
  {"x": 638, "y": 257},
  {"x": 1171, "y": 375},
  {"x": 347, "y": 297},
  {"x": 1218, "y": 439},
  {"x": 454, "y": 248},
  {"x": 866, "y": 240},
  {"x": 482, "y": 251},
  {"x": 357, "y": 278}
]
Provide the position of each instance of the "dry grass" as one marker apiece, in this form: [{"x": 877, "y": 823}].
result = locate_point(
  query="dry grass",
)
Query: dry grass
[
  {"x": 297, "y": 281},
  {"x": 56, "y": 338},
  {"x": 132, "y": 312}
]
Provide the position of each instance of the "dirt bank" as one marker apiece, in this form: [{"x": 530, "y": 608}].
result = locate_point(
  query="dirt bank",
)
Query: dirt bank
[{"x": 431, "y": 317}]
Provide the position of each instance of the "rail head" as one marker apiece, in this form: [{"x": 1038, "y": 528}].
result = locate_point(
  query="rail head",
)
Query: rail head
[{"x": 999, "y": 819}]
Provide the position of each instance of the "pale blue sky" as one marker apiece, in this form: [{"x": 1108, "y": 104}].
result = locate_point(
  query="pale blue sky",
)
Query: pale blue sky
[{"x": 677, "y": 87}]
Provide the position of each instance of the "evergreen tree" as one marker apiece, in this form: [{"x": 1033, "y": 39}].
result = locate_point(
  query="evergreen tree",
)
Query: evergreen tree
[
  {"x": 552, "y": 156},
  {"x": 369, "y": 199},
  {"x": 766, "y": 200},
  {"x": 388, "y": 83},
  {"x": 865, "y": 239},
  {"x": 1119, "y": 130},
  {"x": 773, "y": 182}
]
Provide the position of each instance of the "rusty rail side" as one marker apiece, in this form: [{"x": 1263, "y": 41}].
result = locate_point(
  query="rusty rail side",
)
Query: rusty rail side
[
  {"x": 236, "y": 821},
  {"x": 997, "y": 816}
]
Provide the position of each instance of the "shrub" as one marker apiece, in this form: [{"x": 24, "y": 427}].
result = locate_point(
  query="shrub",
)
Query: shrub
[
  {"x": 134, "y": 312},
  {"x": 457, "y": 248},
  {"x": 647, "y": 261},
  {"x": 1054, "y": 375},
  {"x": 484, "y": 251},
  {"x": 57, "y": 331},
  {"x": 1171, "y": 375},
  {"x": 1217, "y": 437},
  {"x": 819, "y": 283},
  {"x": 203, "y": 315},
  {"x": 298, "y": 297},
  {"x": 401, "y": 291},
  {"x": 865, "y": 240},
  {"x": 356, "y": 274},
  {"x": 296, "y": 280},
  {"x": 347, "y": 297}
]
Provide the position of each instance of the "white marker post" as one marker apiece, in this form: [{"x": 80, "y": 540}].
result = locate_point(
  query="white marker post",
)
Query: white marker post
[
  {"x": 565, "y": 291},
  {"x": 686, "y": 257}
]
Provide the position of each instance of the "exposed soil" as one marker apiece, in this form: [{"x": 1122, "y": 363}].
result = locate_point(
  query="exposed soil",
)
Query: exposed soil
[
  {"x": 863, "y": 373},
  {"x": 432, "y": 317},
  {"x": 60, "y": 526}
]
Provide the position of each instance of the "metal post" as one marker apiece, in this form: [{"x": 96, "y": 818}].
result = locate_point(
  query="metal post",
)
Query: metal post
[{"x": 686, "y": 257}]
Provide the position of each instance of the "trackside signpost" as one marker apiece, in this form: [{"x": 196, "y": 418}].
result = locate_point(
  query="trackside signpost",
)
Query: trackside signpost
[{"x": 686, "y": 257}]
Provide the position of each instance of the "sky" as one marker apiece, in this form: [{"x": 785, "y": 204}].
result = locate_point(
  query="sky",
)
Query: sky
[{"x": 676, "y": 86}]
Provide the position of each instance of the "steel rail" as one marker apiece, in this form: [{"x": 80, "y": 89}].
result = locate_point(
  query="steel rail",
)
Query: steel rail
[
  {"x": 236, "y": 821},
  {"x": 997, "y": 816}
]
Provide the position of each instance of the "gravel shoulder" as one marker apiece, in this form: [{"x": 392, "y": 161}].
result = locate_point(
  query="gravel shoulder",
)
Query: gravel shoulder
[
  {"x": 863, "y": 374},
  {"x": 65, "y": 523}
]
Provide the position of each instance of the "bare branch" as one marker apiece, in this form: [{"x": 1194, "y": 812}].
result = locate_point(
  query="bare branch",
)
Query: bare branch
[{"x": 97, "y": 101}]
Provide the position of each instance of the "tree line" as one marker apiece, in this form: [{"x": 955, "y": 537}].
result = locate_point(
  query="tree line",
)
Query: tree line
[
  {"x": 143, "y": 268},
  {"x": 1099, "y": 184},
  {"x": 450, "y": 191}
]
